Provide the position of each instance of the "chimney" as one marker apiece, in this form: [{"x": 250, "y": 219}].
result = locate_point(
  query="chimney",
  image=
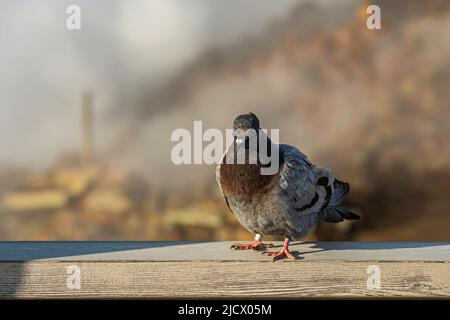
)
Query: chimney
[{"x": 87, "y": 129}]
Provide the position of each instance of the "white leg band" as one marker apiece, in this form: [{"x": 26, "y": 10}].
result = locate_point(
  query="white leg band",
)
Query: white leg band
[{"x": 258, "y": 237}]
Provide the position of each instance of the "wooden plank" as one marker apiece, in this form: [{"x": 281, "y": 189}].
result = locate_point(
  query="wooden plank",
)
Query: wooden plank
[
  {"x": 219, "y": 251},
  {"x": 192, "y": 270}
]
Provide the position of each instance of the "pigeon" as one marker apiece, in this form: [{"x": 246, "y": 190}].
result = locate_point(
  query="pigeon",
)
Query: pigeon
[{"x": 288, "y": 202}]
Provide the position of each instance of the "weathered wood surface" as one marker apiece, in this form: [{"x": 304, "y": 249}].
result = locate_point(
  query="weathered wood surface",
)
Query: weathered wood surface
[{"x": 211, "y": 269}]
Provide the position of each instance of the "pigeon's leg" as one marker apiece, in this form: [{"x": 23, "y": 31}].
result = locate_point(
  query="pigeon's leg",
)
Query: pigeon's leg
[
  {"x": 283, "y": 254},
  {"x": 255, "y": 245}
]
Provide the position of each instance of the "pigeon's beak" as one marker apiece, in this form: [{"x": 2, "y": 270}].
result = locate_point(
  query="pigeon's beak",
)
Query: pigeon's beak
[
  {"x": 245, "y": 138},
  {"x": 239, "y": 136}
]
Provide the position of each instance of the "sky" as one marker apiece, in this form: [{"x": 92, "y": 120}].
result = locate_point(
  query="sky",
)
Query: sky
[{"x": 122, "y": 46}]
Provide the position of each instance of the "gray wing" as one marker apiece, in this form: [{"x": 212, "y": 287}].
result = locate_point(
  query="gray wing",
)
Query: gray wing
[{"x": 305, "y": 188}]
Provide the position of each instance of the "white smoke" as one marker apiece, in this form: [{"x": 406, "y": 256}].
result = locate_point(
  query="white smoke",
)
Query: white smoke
[{"x": 123, "y": 46}]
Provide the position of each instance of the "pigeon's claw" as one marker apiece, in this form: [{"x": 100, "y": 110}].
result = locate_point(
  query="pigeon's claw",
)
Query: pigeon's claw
[
  {"x": 255, "y": 245},
  {"x": 261, "y": 246},
  {"x": 278, "y": 255},
  {"x": 241, "y": 246},
  {"x": 283, "y": 254}
]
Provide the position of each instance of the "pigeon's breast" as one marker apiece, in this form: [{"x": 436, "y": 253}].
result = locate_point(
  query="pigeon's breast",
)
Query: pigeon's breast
[
  {"x": 258, "y": 212},
  {"x": 244, "y": 210},
  {"x": 259, "y": 202},
  {"x": 271, "y": 214}
]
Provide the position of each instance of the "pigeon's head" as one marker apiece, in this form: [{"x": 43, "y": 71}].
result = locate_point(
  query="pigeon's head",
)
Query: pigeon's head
[
  {"x": 246, "y": 126},
  {"x": 246, "y": 121}
]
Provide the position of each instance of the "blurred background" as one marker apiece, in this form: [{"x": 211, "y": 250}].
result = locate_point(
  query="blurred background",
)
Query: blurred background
[{"x": 86, "y": 115}]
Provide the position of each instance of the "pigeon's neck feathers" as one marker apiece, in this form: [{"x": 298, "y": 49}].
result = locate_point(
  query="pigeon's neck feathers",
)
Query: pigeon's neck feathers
[{"x": 245, "y": 178}]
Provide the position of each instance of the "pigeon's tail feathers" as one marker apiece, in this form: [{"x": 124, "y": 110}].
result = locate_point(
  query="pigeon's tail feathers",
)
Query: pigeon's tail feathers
[
  {"x": 338, "y": 214},
  {"x": 333, "y": 212},
  {"x": 341, "y": 189}
]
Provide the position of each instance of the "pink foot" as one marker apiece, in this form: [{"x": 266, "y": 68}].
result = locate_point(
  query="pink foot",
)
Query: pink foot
[
  {"x": 255, "y": 245},
  {"x": 283, "y": 254}
]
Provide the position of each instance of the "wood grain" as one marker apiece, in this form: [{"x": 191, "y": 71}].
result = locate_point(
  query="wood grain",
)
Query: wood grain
[{"x": 130, "y": 278}]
